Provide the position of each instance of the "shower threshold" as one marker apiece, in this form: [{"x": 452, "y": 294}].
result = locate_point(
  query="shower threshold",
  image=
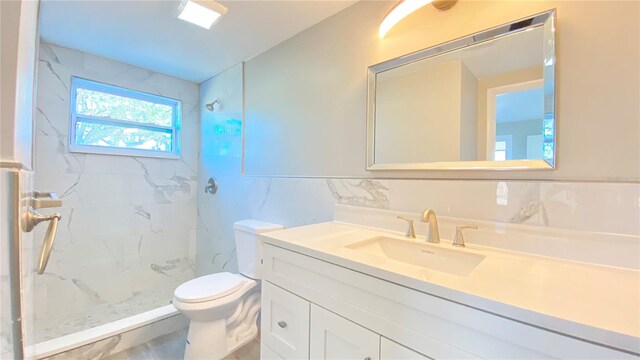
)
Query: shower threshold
[{"x": 72, "y": 341}]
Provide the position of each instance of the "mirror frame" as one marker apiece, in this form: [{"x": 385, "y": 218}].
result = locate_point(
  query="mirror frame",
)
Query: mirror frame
[{"x": 546, "y": 19}]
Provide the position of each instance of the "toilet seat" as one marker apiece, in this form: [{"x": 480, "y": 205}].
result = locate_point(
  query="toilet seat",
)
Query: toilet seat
[{"x": 209, "y": 287}]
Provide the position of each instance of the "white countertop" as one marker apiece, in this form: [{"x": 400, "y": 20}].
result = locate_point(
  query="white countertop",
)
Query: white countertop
[{"x": 597, "y": 303}]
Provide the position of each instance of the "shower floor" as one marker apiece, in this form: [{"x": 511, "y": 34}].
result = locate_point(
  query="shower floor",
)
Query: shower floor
[{"x": 51, "y": 327}]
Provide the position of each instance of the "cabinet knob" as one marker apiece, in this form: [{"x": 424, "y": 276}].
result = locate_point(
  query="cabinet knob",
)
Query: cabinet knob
[
  {"x": 282, "y": 324},
  {"x": 367, "y": 358}
]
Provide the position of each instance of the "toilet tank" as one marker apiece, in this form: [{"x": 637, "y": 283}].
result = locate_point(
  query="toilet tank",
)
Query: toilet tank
[{"x": 249, "y": 247}]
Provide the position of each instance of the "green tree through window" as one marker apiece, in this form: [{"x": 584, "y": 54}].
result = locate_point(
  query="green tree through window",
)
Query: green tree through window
[{"x": 106, "y": 118}]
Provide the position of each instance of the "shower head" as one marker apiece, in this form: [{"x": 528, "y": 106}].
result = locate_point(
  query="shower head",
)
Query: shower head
[{"x": 212, "y": 105}]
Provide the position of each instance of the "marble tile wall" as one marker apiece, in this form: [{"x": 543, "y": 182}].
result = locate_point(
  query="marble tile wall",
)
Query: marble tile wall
[
  {"x": 127, "y": 235},
  {"x": 11, "y": 182},
  {"x": 595, "y": 207}
]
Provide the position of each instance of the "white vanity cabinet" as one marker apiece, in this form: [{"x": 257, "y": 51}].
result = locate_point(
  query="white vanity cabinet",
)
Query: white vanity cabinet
[
  {"x": 293, "y": 328},
  {"x": 314, "y": 309},
  {"x": 393, "y": 350},
  {"x": 333, "y": 337}
]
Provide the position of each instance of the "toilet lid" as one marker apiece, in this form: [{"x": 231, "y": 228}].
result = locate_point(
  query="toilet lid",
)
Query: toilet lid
[{"x": 209, "y": 287}]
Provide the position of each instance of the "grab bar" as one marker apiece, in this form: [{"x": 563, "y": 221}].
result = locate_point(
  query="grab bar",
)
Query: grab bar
[
  {"x": 47, "y": 244},
  {"x": 30, "y": 219}
]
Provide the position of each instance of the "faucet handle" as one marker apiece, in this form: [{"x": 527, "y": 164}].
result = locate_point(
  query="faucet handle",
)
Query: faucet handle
[
  {"x": 410, "y": 233},
  {"x": 458, "y": 240}
]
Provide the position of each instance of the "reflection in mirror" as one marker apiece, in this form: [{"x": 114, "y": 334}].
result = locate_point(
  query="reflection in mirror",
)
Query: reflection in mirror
[{"x": 486, "y": 101}]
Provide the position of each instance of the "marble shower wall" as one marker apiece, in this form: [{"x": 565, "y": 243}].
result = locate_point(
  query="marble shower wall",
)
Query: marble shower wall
[
  {"x": 593, "y": 207},
  {"x": 23, "y": 185},
  {"x": 127, "y": 235}
]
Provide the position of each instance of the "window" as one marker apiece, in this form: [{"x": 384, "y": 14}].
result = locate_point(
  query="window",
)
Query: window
[
  {"x": 503, "y": 148},
  {"x": 107, "y": 119}
]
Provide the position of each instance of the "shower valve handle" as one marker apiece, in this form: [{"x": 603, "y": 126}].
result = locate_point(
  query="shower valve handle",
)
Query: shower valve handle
[{"x": 45, "y": 200}]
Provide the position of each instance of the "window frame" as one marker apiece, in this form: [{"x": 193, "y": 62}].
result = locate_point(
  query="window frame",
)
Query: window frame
[{"x": 174, "y": 129}]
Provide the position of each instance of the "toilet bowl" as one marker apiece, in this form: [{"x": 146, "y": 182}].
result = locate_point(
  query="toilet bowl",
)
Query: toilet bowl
[{"x": 224, "y": 307}]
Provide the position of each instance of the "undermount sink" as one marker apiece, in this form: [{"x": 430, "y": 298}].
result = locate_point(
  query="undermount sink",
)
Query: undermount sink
[{"x": 432, "y": 257}]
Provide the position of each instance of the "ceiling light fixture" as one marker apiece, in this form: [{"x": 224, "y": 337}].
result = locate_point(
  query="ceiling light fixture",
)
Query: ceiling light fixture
[
  {"x": 405, "y": 7},
  {"x": 203, "y": 13}
]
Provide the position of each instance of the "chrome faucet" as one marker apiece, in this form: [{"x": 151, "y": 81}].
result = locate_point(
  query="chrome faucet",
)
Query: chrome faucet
[{"x": 429, "y": 217}]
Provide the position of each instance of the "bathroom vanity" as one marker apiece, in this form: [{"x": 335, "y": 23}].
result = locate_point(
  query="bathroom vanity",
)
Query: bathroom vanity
[{"x": 338, "y": 290}]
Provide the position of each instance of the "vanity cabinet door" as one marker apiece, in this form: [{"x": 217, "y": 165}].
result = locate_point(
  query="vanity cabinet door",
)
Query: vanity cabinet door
[
  {"x": 267, "y": 354},
  {"x": 391, "y": 350},
  {"x": 285, "y": 322},
  {"x": 334, "y": 337}
]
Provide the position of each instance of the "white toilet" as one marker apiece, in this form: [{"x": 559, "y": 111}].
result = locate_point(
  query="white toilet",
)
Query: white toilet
[{"x": 224, "y": 307}]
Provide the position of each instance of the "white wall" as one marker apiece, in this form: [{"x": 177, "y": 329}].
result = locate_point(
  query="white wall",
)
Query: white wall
[
  {"x": 418, "y": 115},
  {"x": 468, "y": 114},
  {"x": 310, "y": 90},
  {"x": 18, "y": 32},
  {"x": 127, "y": 235}
]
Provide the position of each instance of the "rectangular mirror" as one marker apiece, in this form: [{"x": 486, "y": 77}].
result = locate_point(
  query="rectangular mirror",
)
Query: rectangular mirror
[{"x": 486, "y": 101}]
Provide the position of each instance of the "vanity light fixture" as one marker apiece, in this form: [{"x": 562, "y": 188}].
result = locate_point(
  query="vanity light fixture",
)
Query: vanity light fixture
[
  {"x": 203, "y": 13},
  {"x": 405, "y": 7}
]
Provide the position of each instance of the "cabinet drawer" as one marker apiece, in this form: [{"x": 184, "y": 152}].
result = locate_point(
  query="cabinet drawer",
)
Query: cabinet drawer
[{"x": 285, "y": 322}]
